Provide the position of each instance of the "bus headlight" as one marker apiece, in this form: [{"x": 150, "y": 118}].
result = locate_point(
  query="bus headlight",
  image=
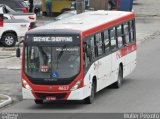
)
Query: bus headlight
[
  {"x": 26, "y": 85},
  {"x": 76, "y": 85}
]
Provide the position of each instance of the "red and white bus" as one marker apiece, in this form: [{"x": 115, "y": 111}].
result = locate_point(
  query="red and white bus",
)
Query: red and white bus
[{"x": 72, "y": 59}]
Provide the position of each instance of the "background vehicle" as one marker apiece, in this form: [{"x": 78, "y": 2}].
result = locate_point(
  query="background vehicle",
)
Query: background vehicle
[
  {"x": 17, "y": 5},
  {"x": 1, "y": 20},
  {"x": 74, "y": 58},
  {"x": 30, "y": 17},
  {"x": 58, "y": 6},
  {"x": 8, "y": 16},
  {"x": 13, "y": 30}
]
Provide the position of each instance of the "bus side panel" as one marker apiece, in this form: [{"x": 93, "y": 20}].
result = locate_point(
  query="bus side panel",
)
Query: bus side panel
[
  {"x": 132, "y": 56},
  {"x": 126, "y": 65},
  {"x": 80, "y": 93},
  {"x": 104, "y": 72},
  {"x": 130, "y": 59},
  {"x": 133, "y": 62},
  {"x": 27, "y": 94},
  {"x": 115, "y": 67},
  {"x": 88, "y": 79}
]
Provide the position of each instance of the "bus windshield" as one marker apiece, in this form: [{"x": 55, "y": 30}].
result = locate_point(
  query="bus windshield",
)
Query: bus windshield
[{"x": 52, "y": 62}]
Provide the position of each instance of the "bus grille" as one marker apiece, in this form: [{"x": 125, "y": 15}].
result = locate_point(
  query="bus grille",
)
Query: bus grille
[{"x": 58, "y": 96}]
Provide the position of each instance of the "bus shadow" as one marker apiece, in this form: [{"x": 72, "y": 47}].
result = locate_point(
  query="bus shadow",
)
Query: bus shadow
[
  {"x": 61, "y": 105},
  {"x": 110, "y": 89},
  {"x": 71, "y": 105}
]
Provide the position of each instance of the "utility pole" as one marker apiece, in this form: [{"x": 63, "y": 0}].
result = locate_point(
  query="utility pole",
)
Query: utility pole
[{"x": 80, "y": 6}]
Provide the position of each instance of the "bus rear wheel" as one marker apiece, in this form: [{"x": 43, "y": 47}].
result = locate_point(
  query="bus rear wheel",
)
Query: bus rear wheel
[
  {"x": 89, "y": 100},
  {"x": 38, "y": 101},
  {"x": 120, "y": 78}
]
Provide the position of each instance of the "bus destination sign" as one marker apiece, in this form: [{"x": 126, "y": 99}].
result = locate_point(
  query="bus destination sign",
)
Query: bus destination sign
[{"x": 52, "y": 39}]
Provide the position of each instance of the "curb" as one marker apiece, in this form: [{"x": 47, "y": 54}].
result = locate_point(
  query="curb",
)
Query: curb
[
  {"x": 11, "y": 68},
  {"x": 6, "y": 102},
  {"x": 14, "y": 68}
]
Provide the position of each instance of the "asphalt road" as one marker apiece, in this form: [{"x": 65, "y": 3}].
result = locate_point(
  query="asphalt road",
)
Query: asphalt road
[{"x": 140, "y": 91}]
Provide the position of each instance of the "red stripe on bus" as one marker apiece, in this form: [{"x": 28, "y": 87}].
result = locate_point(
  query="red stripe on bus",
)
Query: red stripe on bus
[
  {"x": 107, "y": 25},
  {"x": 128, "y": 49}
]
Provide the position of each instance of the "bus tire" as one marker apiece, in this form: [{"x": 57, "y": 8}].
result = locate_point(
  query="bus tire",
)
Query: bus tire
[
  {"x": 89, "y": 100},
  {"x": 38, "y": 101},
  {"x": 9, "y": 39},
  {"x": 120, "y": 78}
]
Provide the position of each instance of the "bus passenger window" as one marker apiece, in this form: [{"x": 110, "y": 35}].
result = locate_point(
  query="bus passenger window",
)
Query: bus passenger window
[
  {"x": 120, "y": 36},
  {"x": 99, "y": 43},
  {"x": 113, "y": 39},
  {"x": 132, "y": 30},
  {"x": 126, "y": 32},
  {"x": 92, "y": 45},
  {"x": 106, "y": 41},
  {"x": 86, "y": 54},
  {"x": 89, "y": 51}
]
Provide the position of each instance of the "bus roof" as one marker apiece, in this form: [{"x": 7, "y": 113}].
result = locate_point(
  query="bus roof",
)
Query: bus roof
[{"x": 85, "y": 22}]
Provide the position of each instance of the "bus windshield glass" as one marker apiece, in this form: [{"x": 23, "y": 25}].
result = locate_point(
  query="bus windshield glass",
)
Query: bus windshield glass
[
  {"x": 52, "y": 62},
  {"x": 55, "y": 61}
]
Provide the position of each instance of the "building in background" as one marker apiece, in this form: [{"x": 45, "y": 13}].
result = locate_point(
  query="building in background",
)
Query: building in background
[
  {"x": 59, "y": 6},
  {"x": 100, "y": 5}
]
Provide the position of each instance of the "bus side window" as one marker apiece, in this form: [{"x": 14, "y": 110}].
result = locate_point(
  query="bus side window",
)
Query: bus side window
[
  {"x": 106, "y": 41},
  {"x": 89, "y": 51},
  {"x": 86, "y": 57},
  {"x": 119, "y": 36},
  {"x": 99, "y": 43},
  {"x": 132, "y": 30},
  {"x": 92, "y": 44},
  {"x": 113, "y": 39},
  {"x": 127, "y": 32}
]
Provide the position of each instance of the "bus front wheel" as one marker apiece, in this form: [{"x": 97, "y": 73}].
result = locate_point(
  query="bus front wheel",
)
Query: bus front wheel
[{"x": 89, "y": 100}]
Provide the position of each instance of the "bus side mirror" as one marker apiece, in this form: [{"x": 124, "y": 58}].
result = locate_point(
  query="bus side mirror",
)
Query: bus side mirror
[{"x": 18, "y": 52}]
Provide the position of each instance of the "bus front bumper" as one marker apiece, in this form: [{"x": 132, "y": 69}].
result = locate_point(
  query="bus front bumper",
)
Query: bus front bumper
[{"x": 78, "y": 94}]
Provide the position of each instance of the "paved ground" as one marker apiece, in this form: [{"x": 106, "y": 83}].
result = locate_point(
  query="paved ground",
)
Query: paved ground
[
  {"x": 10, "y": 83},
  {"x": 139, "y": 93},
  {"x": 147, "y": 8}
]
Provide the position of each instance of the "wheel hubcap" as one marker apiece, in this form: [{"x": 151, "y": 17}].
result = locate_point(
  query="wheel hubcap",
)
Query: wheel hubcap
[{"x": 9, "y": 40}]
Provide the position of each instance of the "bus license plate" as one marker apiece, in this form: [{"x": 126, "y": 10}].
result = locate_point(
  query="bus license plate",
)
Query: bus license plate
[{"x": 50, "y": 98}]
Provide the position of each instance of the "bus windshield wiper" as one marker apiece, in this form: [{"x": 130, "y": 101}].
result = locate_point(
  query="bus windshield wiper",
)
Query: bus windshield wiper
[{"x": 60, "y": 55}]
